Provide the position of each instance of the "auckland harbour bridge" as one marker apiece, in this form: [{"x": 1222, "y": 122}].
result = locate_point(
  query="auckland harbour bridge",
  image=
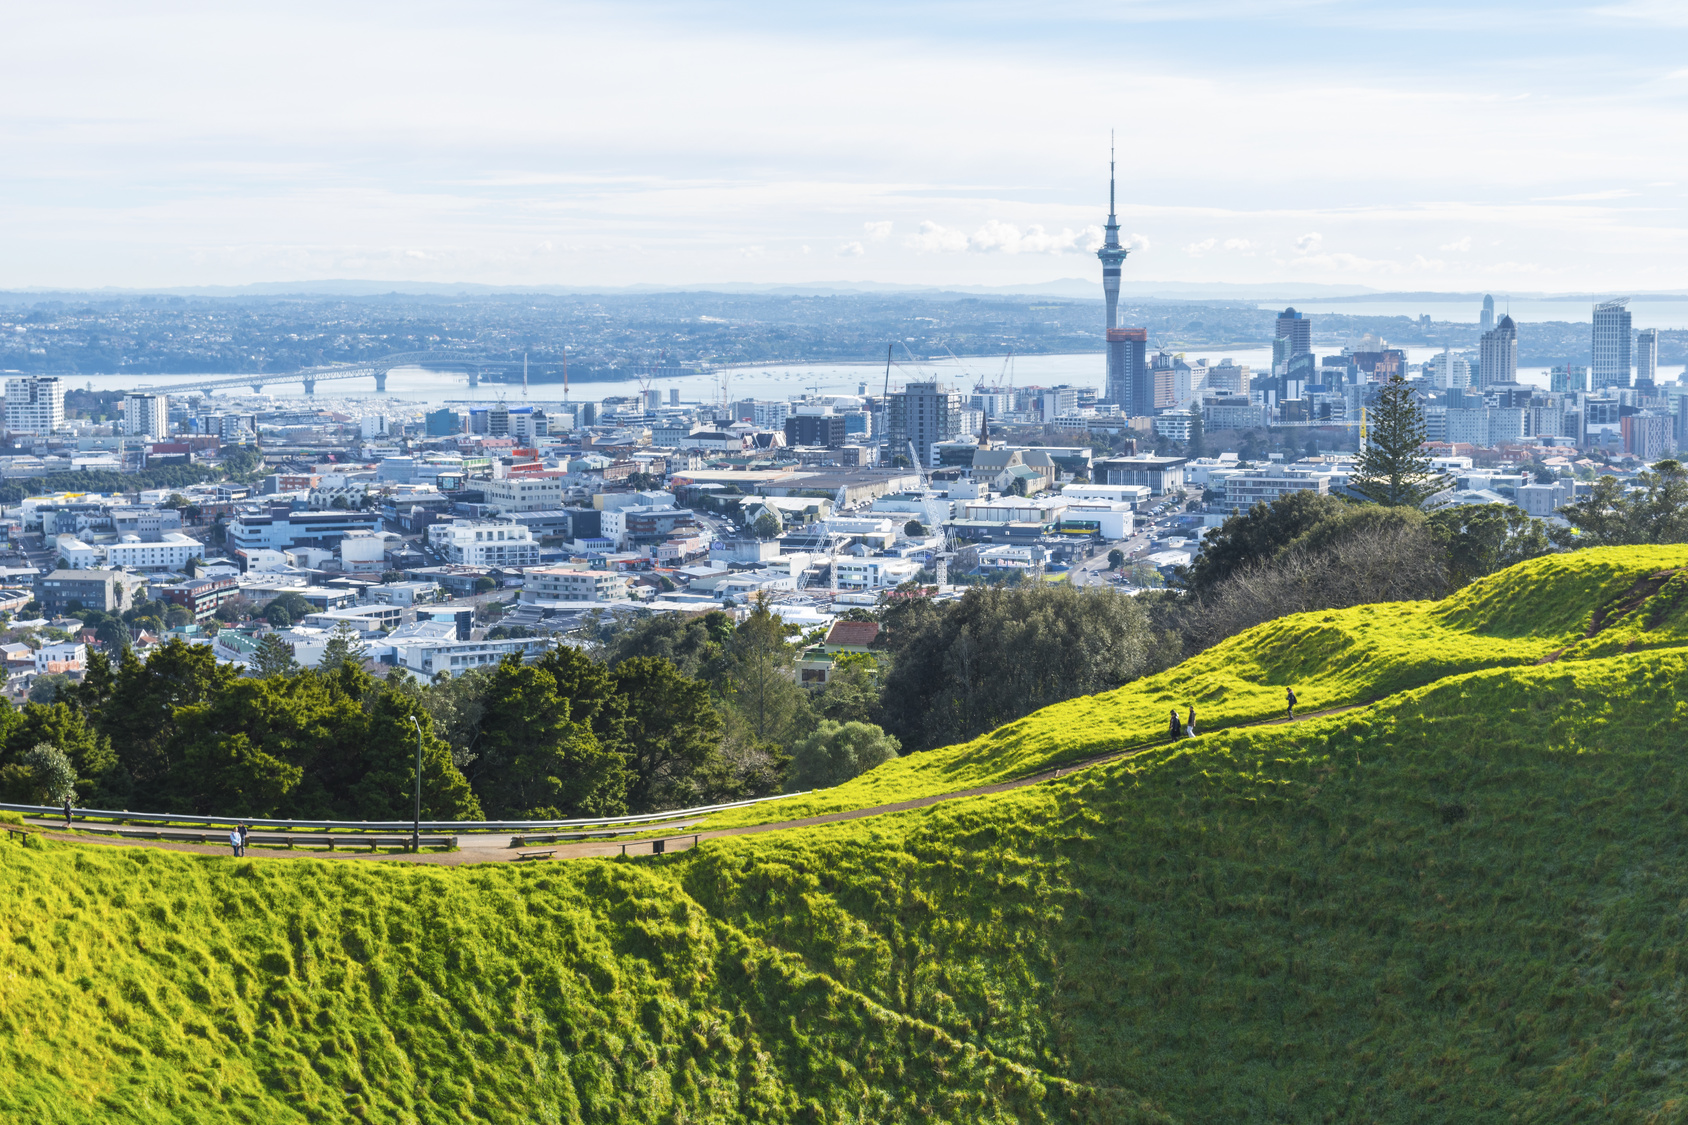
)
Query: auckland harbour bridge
[{"x": 475, "y": 368}]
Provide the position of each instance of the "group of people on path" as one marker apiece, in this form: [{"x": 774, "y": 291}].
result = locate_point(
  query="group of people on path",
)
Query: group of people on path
[
  {"x": 237, "y": 839},
  {"x": 1177, "y": 729}
]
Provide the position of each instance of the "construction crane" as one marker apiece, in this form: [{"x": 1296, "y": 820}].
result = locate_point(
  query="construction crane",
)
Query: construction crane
[{"x": 919, "y": 466}]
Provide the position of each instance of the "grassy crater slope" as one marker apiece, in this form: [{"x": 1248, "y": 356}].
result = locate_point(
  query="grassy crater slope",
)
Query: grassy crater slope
[
  {"x": 1568, "y": 606},
  {"x": 1466, "y": 901}
]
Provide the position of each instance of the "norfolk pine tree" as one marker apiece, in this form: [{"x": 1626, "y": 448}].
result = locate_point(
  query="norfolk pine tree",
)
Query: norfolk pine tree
[{"x": 1394, "y": 468}]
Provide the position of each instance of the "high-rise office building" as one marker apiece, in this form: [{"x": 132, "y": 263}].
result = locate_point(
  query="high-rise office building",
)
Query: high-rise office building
[
  {"x": 34, "y": 405},
  {"x": 146, "y": 415},
  {"x": 923, "y": 414},
  {"x": 1297, "y": 330},
  {"x": 1112, "y": 254},
  {"x": 1130, "y": 386},
  {"x": 1646, "y": 357},
  {"x": 1611, "y": 345},
  {"x": 1497, "y": 355},
  {"x": 1568, "y": 378},
  {"x": 1486, "y": 322},
  {"x": 1449, "y": 370}
]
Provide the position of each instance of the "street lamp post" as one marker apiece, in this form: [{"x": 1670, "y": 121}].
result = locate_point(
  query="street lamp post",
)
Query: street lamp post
[{"x": 416, "y": 824}]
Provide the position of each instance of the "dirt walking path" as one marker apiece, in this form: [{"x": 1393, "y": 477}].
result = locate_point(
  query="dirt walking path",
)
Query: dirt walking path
[{"x": 498, "y": 850}]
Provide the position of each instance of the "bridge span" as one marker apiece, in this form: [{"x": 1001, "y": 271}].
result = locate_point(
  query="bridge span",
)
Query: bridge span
[{"x": 475, "y": 367}]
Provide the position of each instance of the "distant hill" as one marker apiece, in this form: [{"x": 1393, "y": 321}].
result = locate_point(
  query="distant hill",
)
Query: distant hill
[{"x": 1461, "y": 899}]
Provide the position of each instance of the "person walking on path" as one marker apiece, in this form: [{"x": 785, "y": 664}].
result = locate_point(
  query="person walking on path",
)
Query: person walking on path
[
  {"x": 1289, "y": 695},
  {"x": 235, "y": 842},
  {"x": 67, "y": 812},
  {"x": 1175, "y": 728},
  {"x": 244, "y": 833},
  {"x": 1190, "y": 724}
]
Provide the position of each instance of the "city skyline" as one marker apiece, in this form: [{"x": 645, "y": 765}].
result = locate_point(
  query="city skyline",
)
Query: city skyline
[{"x": 927, "y": 144}]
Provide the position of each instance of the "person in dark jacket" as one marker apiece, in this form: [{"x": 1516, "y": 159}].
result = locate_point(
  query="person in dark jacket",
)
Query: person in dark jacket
[
  {"x": 67, "y": 810},
  {"x": 1175, "y": 729},
  {"x": 1289, "y": 696},
  {"x": 244, "y": 833},
  {"x": 1190, "y": 723}
]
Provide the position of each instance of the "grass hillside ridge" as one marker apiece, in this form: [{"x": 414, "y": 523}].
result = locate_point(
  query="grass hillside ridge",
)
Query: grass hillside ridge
[
  {"x": 1332, "y": 658},
  {"x": 1462, "y": 902}
]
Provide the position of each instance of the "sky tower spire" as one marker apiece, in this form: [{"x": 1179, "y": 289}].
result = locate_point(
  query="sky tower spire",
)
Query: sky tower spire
[{"x": 1111, "y": 253}]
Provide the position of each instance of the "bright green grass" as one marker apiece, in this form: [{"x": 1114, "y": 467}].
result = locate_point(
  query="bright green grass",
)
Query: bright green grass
[
  {"x": 1466, "y": 902},
  {"x": 1333, "y": 658}
]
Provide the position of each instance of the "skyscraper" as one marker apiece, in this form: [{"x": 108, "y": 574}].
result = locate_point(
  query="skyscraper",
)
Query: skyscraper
[
  {"x": 1112, "y": 254},
  {"x": 1646, "y": 357},
  {"x": 34, "y": 405},
  {"x": 1130, "y": 385},
  {"x": 1498, "y": 355},
  {"x": 146, "y": 415},
  {"x": 1487, "y": 321},
  {"x": 923, "y": 414},
  {"x": 1611, "y": 345},
  {"x": 1294, "y": 337},
  {"x": 1297, "y": 329}
]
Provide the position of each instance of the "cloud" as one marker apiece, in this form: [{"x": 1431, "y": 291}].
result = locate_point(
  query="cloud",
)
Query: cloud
[
  {"x": 879, "y": 231},
  {"x": 852, "y": 250},
  {"x": 935, "y": 239},
  {"x": 1420, "y": 262},
  {"x": 998, "y": 237},
  {"x": 1197, "y": 249},
  {"x": 1460, "y": 244},
  {"x": 1309, "y": 242},
  {"x": 753, "y": 251},
  {"x": 1134, "y": 241},
  {"x": 1240, "y": 245}
]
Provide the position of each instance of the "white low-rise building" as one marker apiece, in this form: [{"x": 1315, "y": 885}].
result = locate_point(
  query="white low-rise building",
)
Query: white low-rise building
[
  {"x": 363, "y": 618},
  {"x": 64, "y": 657},
  {"x": 78, "y": 555},
  {"x": 492, "y": 543},
  {"x": 569, "y": 584},
  {"x": 431, "y": 647},
  {"x": 874, "y": 573},
  {"x": 525, "y": 492},
  {"x": 171, "y": 552},
  {"x": 365, "y": 552}
]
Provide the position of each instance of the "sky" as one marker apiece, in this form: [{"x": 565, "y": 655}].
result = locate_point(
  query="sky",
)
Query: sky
[{"x": 1394, "y": 146}]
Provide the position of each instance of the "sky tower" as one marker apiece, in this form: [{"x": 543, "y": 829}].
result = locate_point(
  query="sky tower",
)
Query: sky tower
[
  {"x": 1111, "y": 253},
  {"x": 1117, "y": 388}
]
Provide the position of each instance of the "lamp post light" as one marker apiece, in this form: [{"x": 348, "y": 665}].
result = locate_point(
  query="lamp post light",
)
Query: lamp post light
[{"x": 416, "y": 824}]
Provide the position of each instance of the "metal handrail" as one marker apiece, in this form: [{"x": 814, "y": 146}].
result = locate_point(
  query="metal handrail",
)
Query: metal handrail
[{"x": 460, "y": 826}]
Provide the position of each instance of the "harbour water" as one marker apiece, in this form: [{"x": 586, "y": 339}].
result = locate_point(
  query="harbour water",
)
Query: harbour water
[{"x": 418, "y": 386}]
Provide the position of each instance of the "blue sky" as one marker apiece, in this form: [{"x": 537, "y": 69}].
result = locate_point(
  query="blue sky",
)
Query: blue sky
[{"x": 1484, "y": 146}]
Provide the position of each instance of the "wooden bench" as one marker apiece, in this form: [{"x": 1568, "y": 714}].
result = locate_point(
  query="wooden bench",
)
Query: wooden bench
[{"x": 543, "y": 853}]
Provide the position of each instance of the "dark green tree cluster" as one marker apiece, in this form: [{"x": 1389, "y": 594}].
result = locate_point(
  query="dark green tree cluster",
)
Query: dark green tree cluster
[
  {"x": 958, "y": 669},
  {"x": 1305, "y": 552},
  {"x": 1653, "y": 509},
  {"x": 564, "y": 736}
]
